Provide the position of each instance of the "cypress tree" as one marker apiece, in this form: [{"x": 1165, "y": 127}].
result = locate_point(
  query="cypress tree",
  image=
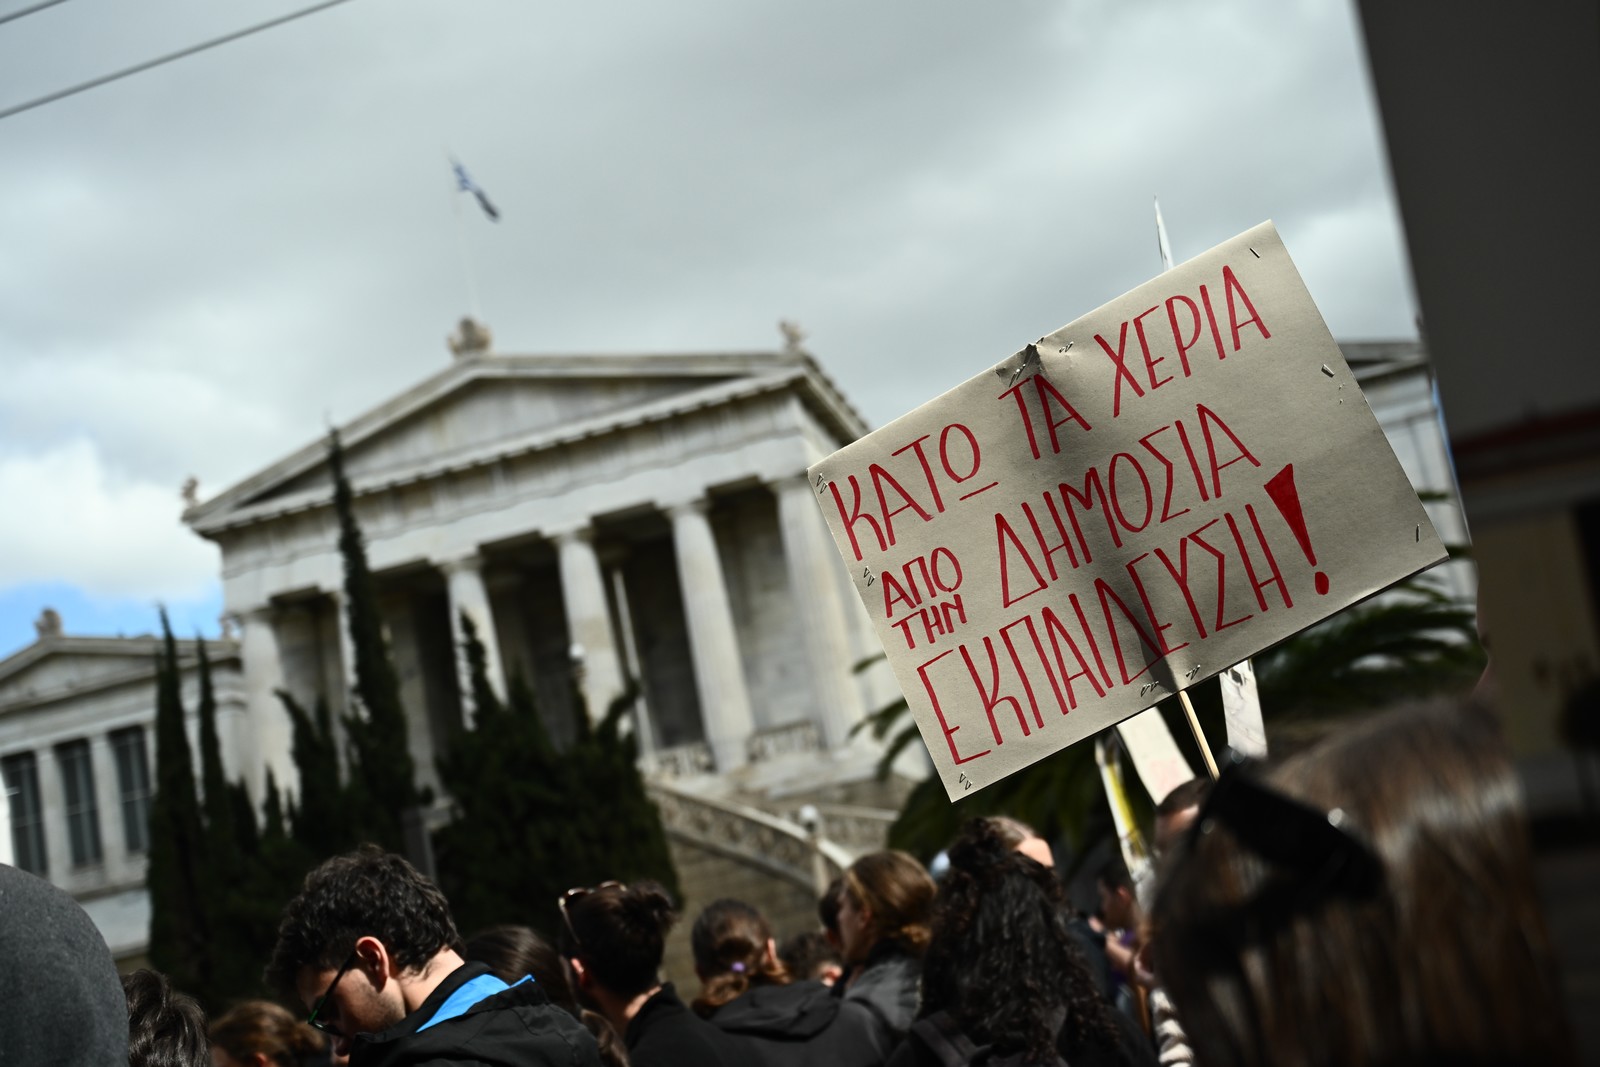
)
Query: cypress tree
[
  {"x": 245, "y": 829},
  {"x": 321, "y": 822},
  {"x": 276, "y": 870},
  {"x": 222, "y": 834},
  {"x": 495, "y": 857},
  {"x": 530, "y": 821},
  {"x": 180, "y": 940},
  {"x": 237, "y": 933},
  {"x": 382, "y": 773},
  {"x": 623, "y": 837},
  {"x": 273, "y": 824}
]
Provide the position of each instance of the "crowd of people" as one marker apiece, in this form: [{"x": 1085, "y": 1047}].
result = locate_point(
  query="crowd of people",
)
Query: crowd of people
[{"x": 1367, "y": 900}]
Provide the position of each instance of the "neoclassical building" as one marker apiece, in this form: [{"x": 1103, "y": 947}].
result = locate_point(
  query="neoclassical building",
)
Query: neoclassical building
[
  {"x": 598, "y": 517},
  {"x": 77, "y": 759}
]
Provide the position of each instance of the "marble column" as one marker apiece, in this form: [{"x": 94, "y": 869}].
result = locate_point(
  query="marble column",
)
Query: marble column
[
  {"x": 53, "y": 808},
  {"x": 583, "y": 593},
  {"x": 468, "y": 594},
  {"x": 108, "y": 801},
  {"x": 812, "y": 560},
  {"x": 713, "y": 638},
  {"x": 270, "y": 724}
]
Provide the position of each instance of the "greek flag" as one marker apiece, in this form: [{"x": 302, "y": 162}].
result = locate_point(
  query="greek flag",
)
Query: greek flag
[{"x": 465, "y": 183}]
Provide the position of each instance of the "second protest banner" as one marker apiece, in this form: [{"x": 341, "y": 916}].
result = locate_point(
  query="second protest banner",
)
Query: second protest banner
[{"x": 1126, "y": 507}]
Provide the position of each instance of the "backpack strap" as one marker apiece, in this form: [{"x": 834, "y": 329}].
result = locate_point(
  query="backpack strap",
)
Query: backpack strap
[
  {"x": 951, "y": 1047},
  {"x": 939, "y": 1034}
]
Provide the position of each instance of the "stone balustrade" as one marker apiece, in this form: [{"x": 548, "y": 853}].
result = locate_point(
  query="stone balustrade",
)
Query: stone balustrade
[
  {"x": 796, "y": 738},
  {"x": 856, "y": 830},
  {"x": 779, "y": 846},
  {"x": 679, "y": 761}
]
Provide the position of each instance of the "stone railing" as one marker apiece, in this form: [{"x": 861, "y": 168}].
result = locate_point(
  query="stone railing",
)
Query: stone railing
[
  {"x": 680, "y": 761},
  {"x": 686, "y": 761},
  {"x": 856, "y": 830},
  {"x": 794, "y": 738},
  {"x": 777, "y": 845}
]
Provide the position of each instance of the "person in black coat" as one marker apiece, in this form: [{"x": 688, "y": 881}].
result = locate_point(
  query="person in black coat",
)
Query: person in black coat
[
  {"x": 1002, "y": 979},
  {"x": 614, "y": 939},
  {"x": 884, "y": 903},
  {"x": 769, "y": 1019},
  {"x": 369, "y": 947}
]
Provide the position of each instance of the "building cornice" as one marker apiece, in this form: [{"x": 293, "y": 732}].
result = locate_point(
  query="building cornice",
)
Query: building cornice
[
  {"x": 140, "y": 651},
  {"x": 783, "y": 373}
]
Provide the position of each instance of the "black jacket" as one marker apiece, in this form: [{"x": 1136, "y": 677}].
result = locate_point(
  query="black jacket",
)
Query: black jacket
[
  {"x": 888, "y": 988},
  {"x": 516, "y": 1027},
  {"x": 665, "y": 1033},
  {"x": 937, "y": 1041},
  {"x": 798, "y": 1024}
]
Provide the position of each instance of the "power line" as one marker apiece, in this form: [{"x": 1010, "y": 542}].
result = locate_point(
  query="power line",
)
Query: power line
[
  {"x": 148, "y": 64},
  {"x": 29, "y": 10}
]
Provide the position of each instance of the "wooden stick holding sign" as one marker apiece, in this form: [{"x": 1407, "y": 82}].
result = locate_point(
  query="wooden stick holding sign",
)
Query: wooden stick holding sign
[
  {"x": 1199, "y": 735},
  {"x": 1117, "y": 511}
]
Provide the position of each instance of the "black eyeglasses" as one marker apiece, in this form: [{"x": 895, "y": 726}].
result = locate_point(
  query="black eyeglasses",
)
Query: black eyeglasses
[
  {"x": 575, "y": 894},
  {"x": 316, "y": 1009}
]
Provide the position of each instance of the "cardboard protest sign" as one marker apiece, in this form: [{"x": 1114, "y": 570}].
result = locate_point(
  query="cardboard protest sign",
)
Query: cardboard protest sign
[
  {"x": 1241, "y": 711},
  {"x": 1155, "y": 755},
  {"x": 1141, "y": 499}
]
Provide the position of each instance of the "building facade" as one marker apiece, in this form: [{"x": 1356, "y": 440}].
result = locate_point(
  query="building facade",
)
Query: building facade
[
  {"x": 77, "y": 755},
  {"x": 599, "y": 519},
  {"x": 1398, "y": 382}
]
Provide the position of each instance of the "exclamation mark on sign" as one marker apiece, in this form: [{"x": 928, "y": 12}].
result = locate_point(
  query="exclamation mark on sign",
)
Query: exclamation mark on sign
[{"x": 1280, "y": 487}]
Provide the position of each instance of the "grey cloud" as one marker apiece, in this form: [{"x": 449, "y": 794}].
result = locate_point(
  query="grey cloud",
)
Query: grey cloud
[{"x": 923, "y": 186}]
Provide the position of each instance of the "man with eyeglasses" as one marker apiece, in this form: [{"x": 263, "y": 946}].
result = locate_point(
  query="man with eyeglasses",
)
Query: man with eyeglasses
[{"x": 371, "y": 950}]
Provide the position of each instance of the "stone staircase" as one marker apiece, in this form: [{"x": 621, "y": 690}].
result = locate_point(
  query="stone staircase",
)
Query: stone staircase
[{"x": 773, "y": 835}]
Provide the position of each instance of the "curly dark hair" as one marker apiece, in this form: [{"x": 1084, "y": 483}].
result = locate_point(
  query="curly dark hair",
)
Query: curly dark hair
[
  {"x": 166, "y": 1028},
  {"x": 1001, "y": 961},
  {"x": 365, "y": 892},
  {"x": 620, "y": 933}
]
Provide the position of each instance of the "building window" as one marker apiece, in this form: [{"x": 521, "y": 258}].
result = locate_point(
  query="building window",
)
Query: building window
[
  {"x": 83, "y": 819},
  {"x": 133, "y": 782},
  {"x": 21, "y": 775}
]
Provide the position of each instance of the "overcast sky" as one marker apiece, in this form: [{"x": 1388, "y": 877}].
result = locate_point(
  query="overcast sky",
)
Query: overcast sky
[{"x": 200, "y": 264}]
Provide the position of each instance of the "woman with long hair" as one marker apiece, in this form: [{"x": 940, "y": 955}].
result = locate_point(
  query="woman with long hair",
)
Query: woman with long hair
[
  {"x": 1003, "y": 978},
  {"x": 1370, "y": 900},
  {"x": 884, "y": 903},
  {"x": 513, "y": 951},
  {"x": 769, "y": 1018}
]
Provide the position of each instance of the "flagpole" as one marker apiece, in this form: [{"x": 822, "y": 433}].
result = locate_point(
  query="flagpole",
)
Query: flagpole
[{"x": 461, "y": 246}]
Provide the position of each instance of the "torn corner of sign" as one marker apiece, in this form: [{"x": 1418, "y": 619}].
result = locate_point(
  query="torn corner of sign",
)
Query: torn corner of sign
[{"x": 1020, "y": 364}]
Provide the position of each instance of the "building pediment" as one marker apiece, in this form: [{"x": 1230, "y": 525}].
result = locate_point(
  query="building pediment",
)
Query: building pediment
[
  {"x": 481, "y": 414},
  {"x": 487, "y": 407},
  {"x": 54, "y": 667}
]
